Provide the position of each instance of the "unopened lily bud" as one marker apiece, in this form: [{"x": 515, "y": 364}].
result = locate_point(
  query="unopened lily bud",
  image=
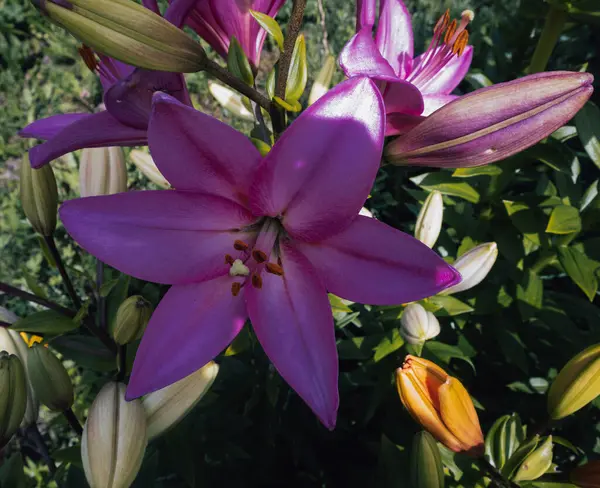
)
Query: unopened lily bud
[
  {"x": 323, "y": 80},
  {"x": 577, "y": 384},
  {"x": 426, "y": 469},
  {"x": 418, "y": 325},
  {"x": 536, "y": 463},
  {"x": 230, "y": 100},
  {"x": 238, "y": 64},
  {"x": 49, "y": 379},
  {"x": 474, "y": 266},
  {"x": 102, "y": 171},
  {"x": 13, "y": 395},
  {"x": 441, "y": 404},
  {"x": 429, "y": 221},
  {"x": 166, "y": 407},
  {"x": 493, "y": 123},
  {"x": 114, "y": 439},
  {"x": 147, "y": 166},
  {"x": 127, "y": 31},
  {"x": 131, "y": 319},
  {"x": 587, "y": 476},
  {"x": 39, "y": 197}
]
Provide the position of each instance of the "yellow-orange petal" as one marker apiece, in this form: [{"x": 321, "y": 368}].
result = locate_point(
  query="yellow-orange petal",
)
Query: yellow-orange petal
[
  {"x": 30, "y": 340},
  {"x": 459, "y": 416},
  {"x": 430, "y": 376}
]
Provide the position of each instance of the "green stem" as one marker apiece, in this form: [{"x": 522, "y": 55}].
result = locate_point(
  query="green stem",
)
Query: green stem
[
  {"x": 17, "y": 292},
  {"x": 73, "y": 421},
  {"x": 542, "y": 262},
  {"x": 122, "y": 359},
  {"x": 63, "y": 272},
  {"x": 497, "y": 480},
  {"x": 553, "y": 26},
  {"x": 101, "y": 300},
  {"x": 35, "y": 435}
]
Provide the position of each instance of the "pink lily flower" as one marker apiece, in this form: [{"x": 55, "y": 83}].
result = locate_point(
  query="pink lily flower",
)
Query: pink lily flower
[
  {"x": 217, "y": 21},
  {"x": 127, "y": 98},
  {"x": 412, "y": 88},
  {"x": 245, "y": 236}
]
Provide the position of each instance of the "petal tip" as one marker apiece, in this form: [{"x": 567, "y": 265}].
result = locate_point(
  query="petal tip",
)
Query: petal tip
[{"x": 447, "y": 276}]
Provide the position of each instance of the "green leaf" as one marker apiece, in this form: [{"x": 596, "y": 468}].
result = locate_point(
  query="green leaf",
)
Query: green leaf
[
  {"x": 298, "y": 72},
  {"x": 12, "y": 474},
  {"x": 46, "y": 322},
  {"x": 503, "y": 439},
  {"x": 338, "y": 305},
  {"x": 357, "y": 347},
  {"x": 519, "y": 456},
  {"x": 587, "y": 121},
  {"x": 238, "y": 64},
  {"x": 589, "y": 196},
  {"x": 446, "y": 185},
  {"x": 391, "y": 342},
  {"x": 580, "y": 269},
  {"x": 85, "y": 351},
  {"x": 452, "y": 306},
  {"x": 107, "y": 287},
  {"x": 489, "y": 170},
  {"x": 270, "y": 25},
  {"x": 69, "y": 455},
  {"x": 32, "y": 283},
  {"x": 512, "y": 348},
  {"x": 446, "y": 352},
  {"x": 530, "y": 293},
  {"x": 564, "y": 220},
  {"x": 240, "y": 343}
]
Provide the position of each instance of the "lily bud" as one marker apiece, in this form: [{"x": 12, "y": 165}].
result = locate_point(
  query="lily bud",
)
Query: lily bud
[
  {"x": 418, "y": 325},
  {"x": 166, "y": 407},
  {"x": 238, "y": 64},
  {"x": 577, "y": 384},
  {"x": 587, "y": 476},
  {"x": 114, "y": 439},
  {"x": 493, "y": 123},
  {"x": 426, "y": 469},
  {"x": 49, "y": 379},
  {"x": 126, "y": 31},
  {"x": 131, "y": 319},
  {"x": 429, "y": 221},
  {"x": 13, "y": 395},
  {"x": 146, "y": 165},
  {"x": 230, "y": 100},
  {"x": 441, "y": 404},
  {"x": 474, "y": 266},
  {"x": 39, "y": 197},
  {"x": 323, "y": 80},
  {"x": 537, "y": 463},
  {"x": 102, "y": 171}
]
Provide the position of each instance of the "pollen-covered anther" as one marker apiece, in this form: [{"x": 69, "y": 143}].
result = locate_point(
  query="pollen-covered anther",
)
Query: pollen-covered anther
[
  {"x": 240, "y": 245},
  {"x": 259, "y": 256},
  {"x": 442, "y": 23},
  {"x": 461, "y": 43},
  {"x": 450, "y": 32},
  {"x": 275, "y": 269},
  {"x": 88, "y": 56},
  {"x": 238, "y": 268},
  {"x": 235, "y": 288},
  {"x": 228, "y": 259},
  {"x": 256, "y": 281}
]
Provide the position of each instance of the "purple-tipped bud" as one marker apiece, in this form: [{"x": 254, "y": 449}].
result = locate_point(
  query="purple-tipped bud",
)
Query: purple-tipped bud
[{"x": 493, "y": 123}]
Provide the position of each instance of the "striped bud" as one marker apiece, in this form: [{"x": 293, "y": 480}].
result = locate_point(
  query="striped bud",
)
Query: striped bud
[
  {"x": 474, "y": 266},
  {"x": 429, "y": 221},
  {"x": 426, "y": 469},
  {"x": 131, "y": 319},
  {"x": 418, "y": 325},
  {"x": 39, "y": 197},
  {"x": 147, "y": 166},
  {"x": 102, "y": 171},
  {"x": 13, "y": 395},
  {"x": 49, "y": 379}
]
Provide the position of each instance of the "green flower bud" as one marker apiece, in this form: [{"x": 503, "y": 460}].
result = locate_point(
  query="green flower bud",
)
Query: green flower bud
[
  {"x": 238, "y": 64},
  {"x": 131, "y": 320},
  {"x": 577, "y": 384},
  {"x": 166, "y": 407},
  {"x": 323, "y": 80},
  {"x": 114, "y": 439},
  {"x": 102, "y": 171},
  {"x": 537, "y": 463},
  {"x": 426, "y": 470},
  {"x": 39, "y": 197},
  {"x": 13, "y": 395},
  {"x": 49, "y": 379},
  {"x": 503, "y": 440}
]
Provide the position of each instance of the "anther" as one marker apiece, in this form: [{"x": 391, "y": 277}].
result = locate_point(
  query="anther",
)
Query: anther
[
  {"x": 259, "y": 256},
  {"x": 274, "y": 269},
  {"x": 240, "y": 245},
  {"x": 88, "y": 56},
  {"x": 235, "y": 288},
  {"x": 442, "y": 23},
  {"x": 256, "y": 281},
  {"x": 450, "y": 32},
  {"x": 228, "y": 259},
  {"x": 461, "y": 43}
]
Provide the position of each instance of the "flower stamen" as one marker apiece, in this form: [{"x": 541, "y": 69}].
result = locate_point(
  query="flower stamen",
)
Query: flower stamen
[
  {"x": 228, "y": 259},
  {"x": 89, "y": 58},
  {"x": 256, "y": 281},
  {"x": 259, "y": 256},
  {"x": 275, "y": 269},
  {"x": 235, "y": 288},
  {"x": 240, "y": 245}
]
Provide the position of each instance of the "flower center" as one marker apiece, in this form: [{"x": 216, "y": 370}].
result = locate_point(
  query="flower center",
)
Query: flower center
[{"x": 449, "y": 40}]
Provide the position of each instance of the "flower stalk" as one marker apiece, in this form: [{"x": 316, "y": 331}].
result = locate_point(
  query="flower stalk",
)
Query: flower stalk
[{"x": 553, "y": 26}]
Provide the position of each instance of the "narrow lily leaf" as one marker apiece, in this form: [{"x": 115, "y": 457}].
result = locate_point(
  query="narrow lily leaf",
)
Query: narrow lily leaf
[
  {"x": 519, "y": 456},
  {"x": 589, "y": 196},
  {"x": 530, "y": 293},
  {"x": 490, "y": 170},
  {"x": 446, "y": 352},
  {"x": 298, "y": 73},
  {"x": 86, "y": 351},
  {"x": 452, "y": 306},
  {"x": 588, "y": 128},
  {"x": 444, "y": 183},
  {"x": 262, "y": 146},
  {"x": 391, "y": 342},
  {"x": 564, "y": 219},
  {"x": 580, "y": 269},
  {"x": 238, "y": 64},
  {"x": 46, "y": 322},
  {"x": 270, "y": 25},
  {"x": 338, "y": 305}
]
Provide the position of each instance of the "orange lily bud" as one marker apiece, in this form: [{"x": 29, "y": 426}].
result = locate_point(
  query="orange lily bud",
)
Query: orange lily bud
[
  {"x": 587, "y": 476},
  {"x": 441, "y": 404}
]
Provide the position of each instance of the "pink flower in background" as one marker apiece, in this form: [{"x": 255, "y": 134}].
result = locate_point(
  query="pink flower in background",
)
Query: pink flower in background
[
  {"x": 265, "y": 238},
  {"x": 217, "y": 21},
  {"x": 412, "y": 87}
]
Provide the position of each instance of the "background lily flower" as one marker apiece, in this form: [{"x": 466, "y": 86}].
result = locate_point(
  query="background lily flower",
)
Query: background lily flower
[
  {"x": 411, "y": 86},
  {"x": 217, "y": 21},
  {"x": 265, "y": 238},
  {"x": 127, "y": 98}
]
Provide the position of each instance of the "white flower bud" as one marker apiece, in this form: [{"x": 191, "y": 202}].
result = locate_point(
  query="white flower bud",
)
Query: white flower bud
[
  {"x": 429, "y": 221},
  {"x": 473, "y": 266},
  {"x": 146, "y": 165},
  {"x": 166, "y": 407},
  {"x": 102, "y": 171},
  {"x": 418, "y": 325},
  {"x": 323, "y": 80},
  {"x": 230, "y": 100},
  {"x": 365, "y": 212},
  {"x": 114, "y": 439}
]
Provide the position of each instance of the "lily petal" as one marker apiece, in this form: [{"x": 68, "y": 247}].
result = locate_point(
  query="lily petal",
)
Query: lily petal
[
  {"x": 50, "y": 126},
  {"x": 211, "y": 157},
  {"x": 404, "y": 97},
  {"x": 162, "y": 236},
  {"x": 361, "y": 57},
  {"x": 394, "y": 36},
  {"x": 191, "y": 325},
  {"x": 449, "y": 77},
  {"x": 95, "y": 130},
  {"x": 396, "y": 123},
  {"x": 433, "y": 102},
  {"x": 365, "y": 13},
  {"x": 320, "y": 172},
  {"x": 292, "y": 319},
  {"x": 178, "y": 10},
  {"x": 151, "y": 5},
  {"x": 371, "y": 262}
]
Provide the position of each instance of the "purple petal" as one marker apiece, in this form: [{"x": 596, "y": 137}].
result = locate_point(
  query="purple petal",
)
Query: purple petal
[
  {"x": 394, "y": 36},
  {"x": 320, "y": 172},
  {"x": 292, "y": 319},
  {"x": 112, "y": 71},
  {"x": 397, "y": 123},
  {"x": 162, "y": 236},
  {"x": 365, "y": 13},
  {"x": 445, "y": 80},
  {"x": 434, "y": 102},
  {"x": 95, "y": 130},
  {"x": 371, "y": 262},
  {"x": 403, "y": 97},
  {"x": 178, "y": 11},
  {"x": 50, "y": 126},
  {"x": 360, "y": 56},
  {"x": 151, "y": 5},
  {"x": 191, "y": 325},
  {"x": 210, "y": 156}
]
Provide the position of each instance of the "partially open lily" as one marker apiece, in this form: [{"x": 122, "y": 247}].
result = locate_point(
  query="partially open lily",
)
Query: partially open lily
[{"x": 261, "y": 237}]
